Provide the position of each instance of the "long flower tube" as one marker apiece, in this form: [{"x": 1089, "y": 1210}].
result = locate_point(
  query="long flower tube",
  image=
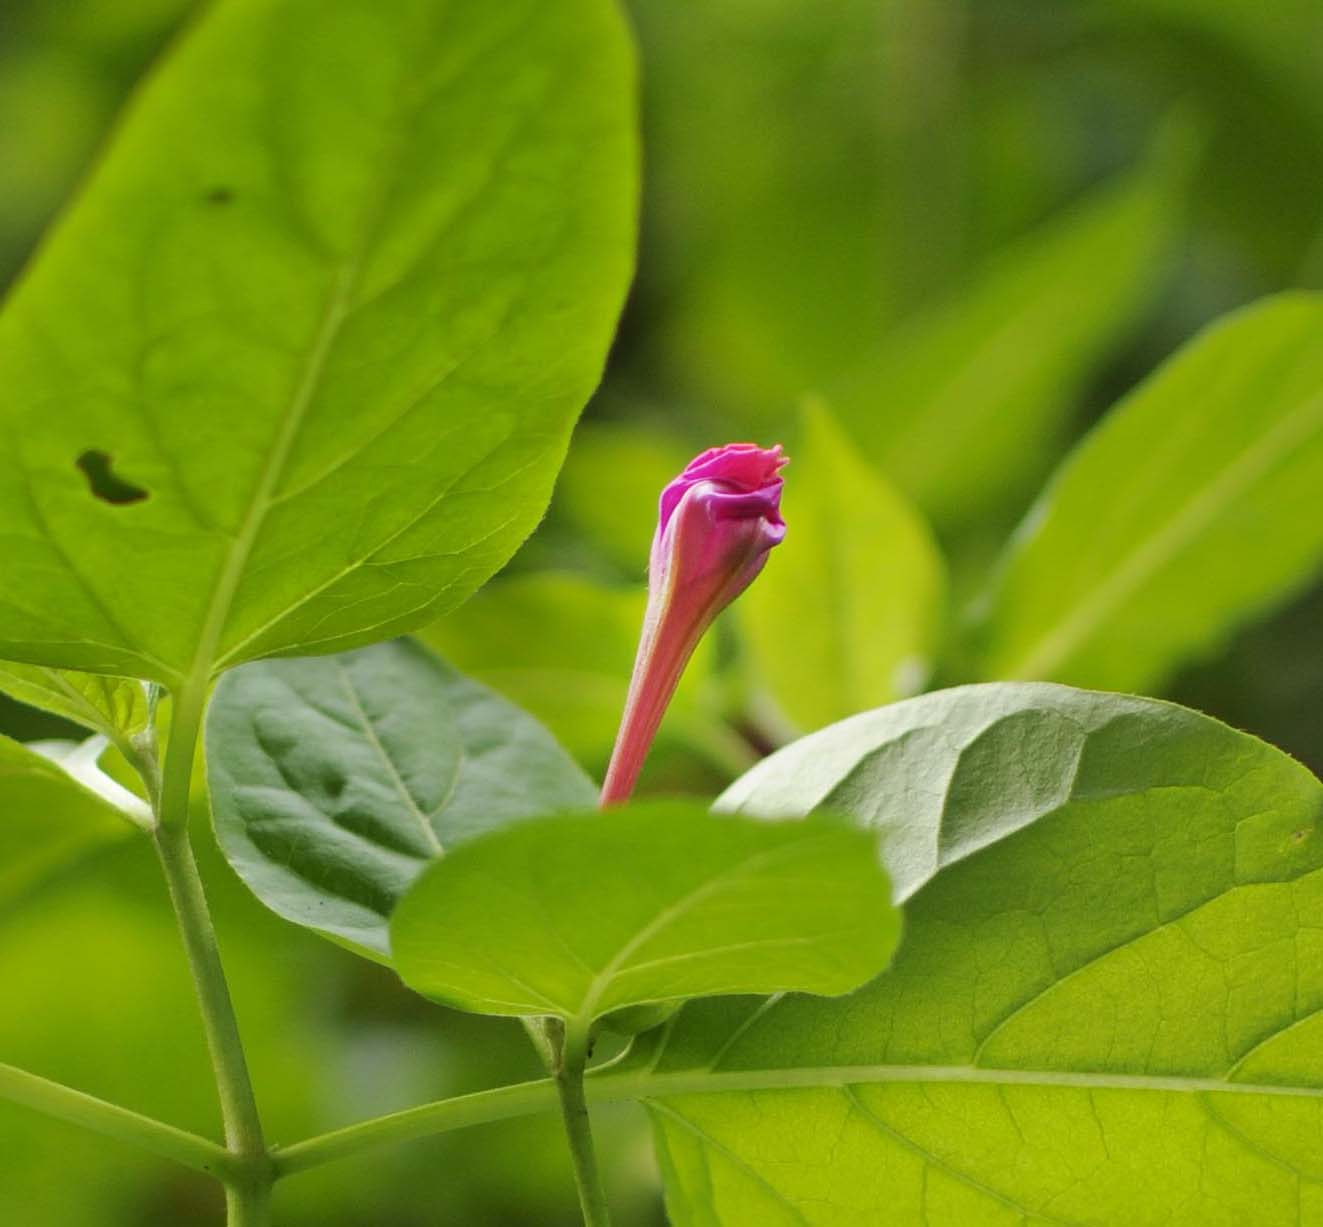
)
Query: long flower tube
[{"x": 716, "y": 523}]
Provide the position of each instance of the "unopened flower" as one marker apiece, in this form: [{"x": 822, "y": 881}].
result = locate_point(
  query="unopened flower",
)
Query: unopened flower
[{"x": 716, "y": 523}]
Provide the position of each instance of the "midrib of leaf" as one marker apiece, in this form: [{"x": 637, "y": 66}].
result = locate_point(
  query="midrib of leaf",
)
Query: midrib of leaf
[
  {"x": 616, "y": 1085},
  {"x": 1058, "y": 644},
  {"x": 227, "y": 584},
  {"x": 626, "y": 1085},
  {"x": 339, "y": 298},
  {"x": 616, "y": 965},
  {"x": 370, "y": 731}
]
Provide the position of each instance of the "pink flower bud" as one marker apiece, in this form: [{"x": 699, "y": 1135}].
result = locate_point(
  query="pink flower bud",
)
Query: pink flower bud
[{"x": 716, "y": 522}]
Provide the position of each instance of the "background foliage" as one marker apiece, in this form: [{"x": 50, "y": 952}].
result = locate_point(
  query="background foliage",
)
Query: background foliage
[{"x": 960, "y": 232}]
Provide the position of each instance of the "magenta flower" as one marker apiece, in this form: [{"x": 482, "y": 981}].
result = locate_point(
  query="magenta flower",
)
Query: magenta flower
[{"x": 716, "y": 522}]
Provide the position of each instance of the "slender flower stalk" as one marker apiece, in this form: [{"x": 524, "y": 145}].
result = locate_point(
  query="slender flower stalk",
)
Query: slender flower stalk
[{"x": 716, "y": 523}]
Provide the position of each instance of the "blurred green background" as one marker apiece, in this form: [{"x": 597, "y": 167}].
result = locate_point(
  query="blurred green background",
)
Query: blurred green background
[{"x": 968, "y": 226}]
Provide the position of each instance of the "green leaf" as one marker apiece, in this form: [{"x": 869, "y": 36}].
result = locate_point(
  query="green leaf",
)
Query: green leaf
[
  {"x": 335, "y": 780},
  {"x": 847, "y": 613},
  {"x": 1190, "y": 509},
  {"x": 1107, "y": 1006},
  {"x": 967, "y": 401},
  {"x": 114, "y": 706},
  {"x": 579, "y": 915},
  {"x": 611, "y": 484},
  {"x": 562, "y": 647},
  {"x": 776, "y": 267},
  {"x": 55, "y": 806},
  {"x": 298, "y": 368}
]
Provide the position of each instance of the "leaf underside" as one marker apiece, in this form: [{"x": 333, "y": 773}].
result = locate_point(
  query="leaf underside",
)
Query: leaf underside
[
  {"x": 336, "y": 780},
  {"x": 1107, "y": 1005}
]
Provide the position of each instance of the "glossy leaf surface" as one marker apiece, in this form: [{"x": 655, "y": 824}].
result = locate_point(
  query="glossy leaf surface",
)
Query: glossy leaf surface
[{"x": 297, "y": 369}]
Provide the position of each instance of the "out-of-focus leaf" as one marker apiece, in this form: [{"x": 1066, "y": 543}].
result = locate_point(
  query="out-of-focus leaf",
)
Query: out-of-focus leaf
[
  {"x": 49, "y": 816},
  {"x": 1193, "y": 506},
  {"x": 1106, "y": 1008},
  {"x": 965, "y": 402},
  {"x": 610, "y": 486},
  {"x": 773, "y": 230},
  {"x": 847, "y": 612},
  {"x": 562, "y": 647},
  {"x": 682, "y": 903},
  {"x": 298, "y": 368},
  {"x": 335, "y": 780}
]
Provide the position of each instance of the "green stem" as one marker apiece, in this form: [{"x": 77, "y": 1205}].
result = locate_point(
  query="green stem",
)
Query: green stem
[
  {"x": 248, "y": 1202},
  {"x": 247, "y": 1191},
  {"x": 112, "y": 1121},
  {"x": 442, "y": 1116},
  {"x": 571, "y": 1062}
]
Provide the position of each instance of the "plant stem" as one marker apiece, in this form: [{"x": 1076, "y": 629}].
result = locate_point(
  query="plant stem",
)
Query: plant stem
[
  {"x": 243, "y": 1129},
  {"x": 248, "y": 1203},
  {"x": 571, "y": 1061},
  {"x": 248, "y": 1190},
  {"x": 112, "y": 1121}
]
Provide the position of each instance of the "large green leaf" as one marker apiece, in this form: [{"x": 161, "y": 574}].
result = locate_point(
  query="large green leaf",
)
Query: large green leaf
[
  {"x": 562, "y": 646},
  {"x": 1191, "y": 508},
  {"x": 582, "y": 914},
  {"x": 847, "y": 614},
  {"x": 966, "y": 401},
  {"x": 298, "y": 368},
  {"x": 335, "y": 780},
  {"x": 55, "y": 807},
  {"x": 1106, "y": 1009}
]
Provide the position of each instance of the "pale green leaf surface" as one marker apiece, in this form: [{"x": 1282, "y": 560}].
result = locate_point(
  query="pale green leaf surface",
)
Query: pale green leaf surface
[
  {"x": 580, "y": 915},
  {"x": 1192, "y": 507},
  {"x": 562, "y": 647},
  {"x": 332, "y": 302},
  {"x": 113, "y": 706},
  {"x": 48, "y": 818},
  {"x": 965, "y": 402},
  {"x": 336, "y": 780},
  {"x": 1106, "y": 1008},
  {"x": 847, "y": 612}
]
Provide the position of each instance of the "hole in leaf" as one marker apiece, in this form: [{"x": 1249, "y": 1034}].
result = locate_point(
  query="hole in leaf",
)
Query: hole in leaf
[
  {"x": 219, "y": 196},
  {"x": 104, "y": 483}
]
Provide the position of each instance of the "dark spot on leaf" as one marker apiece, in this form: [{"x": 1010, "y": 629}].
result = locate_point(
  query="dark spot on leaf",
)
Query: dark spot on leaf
[
  {"x": 219, "y": 196},
  {"x": 1299, "y": 836},
  {"x": 104, "y": 483}
]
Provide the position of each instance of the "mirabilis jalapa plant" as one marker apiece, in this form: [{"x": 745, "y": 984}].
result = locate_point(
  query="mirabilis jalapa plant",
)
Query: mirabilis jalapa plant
[{"x": 275, "y": 396}]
